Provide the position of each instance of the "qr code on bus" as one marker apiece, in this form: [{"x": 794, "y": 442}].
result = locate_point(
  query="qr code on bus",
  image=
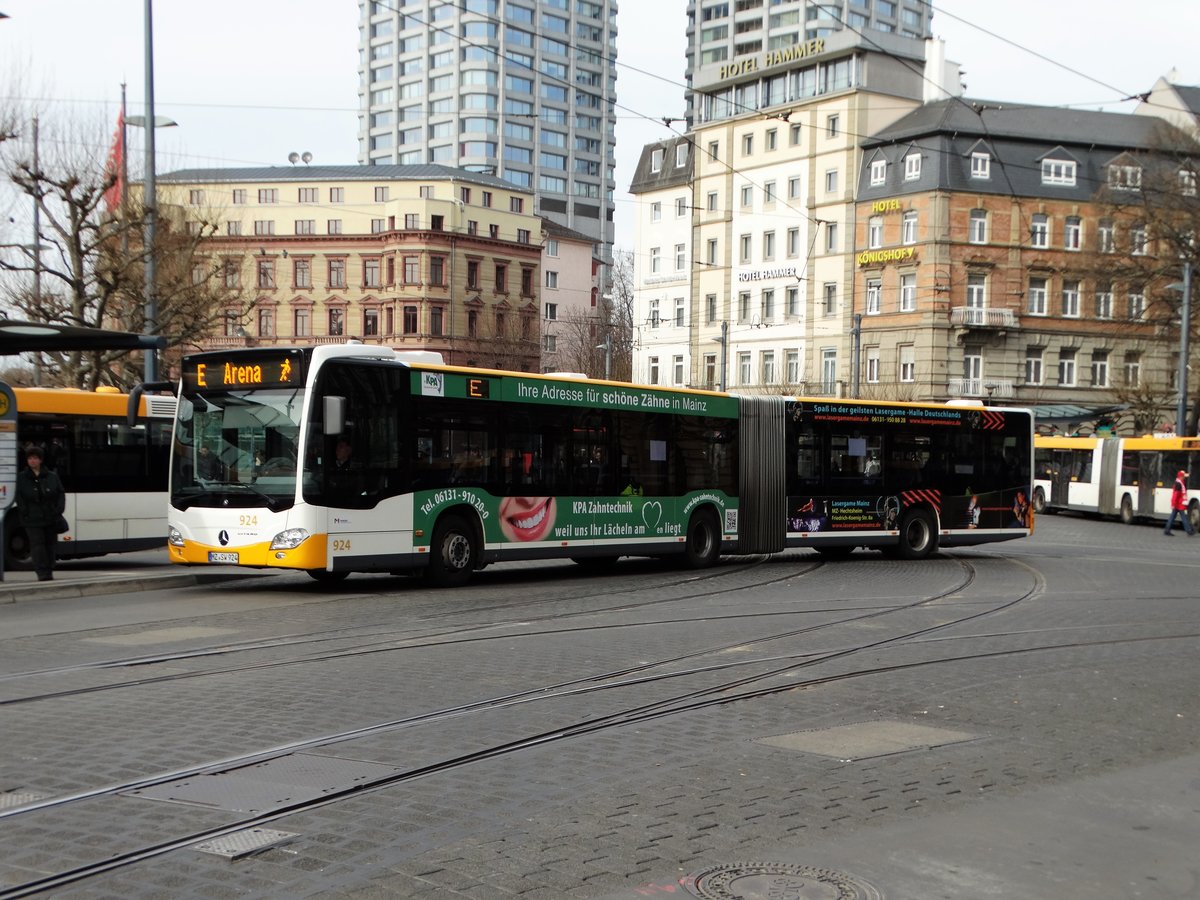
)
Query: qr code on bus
[{"x": 731, "y": 521}]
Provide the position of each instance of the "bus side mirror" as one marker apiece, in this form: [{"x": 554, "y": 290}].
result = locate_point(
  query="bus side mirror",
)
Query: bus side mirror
[{"x": 335, "y": 415}]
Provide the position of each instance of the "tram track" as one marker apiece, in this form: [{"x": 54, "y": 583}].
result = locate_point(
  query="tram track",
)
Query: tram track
[{"x": 732, "y": 690}]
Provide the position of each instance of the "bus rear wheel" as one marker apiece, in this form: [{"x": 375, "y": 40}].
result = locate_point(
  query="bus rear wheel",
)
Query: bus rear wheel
[
  {"x": 1193, "y": 513},
  {"x": 703, "y": 544},
  {"x": 918, "y": 537},
  {"x": 452, "y": 553},
  {"x": 1039, "y": 501},
  {"x": 1127, "y": 515}
]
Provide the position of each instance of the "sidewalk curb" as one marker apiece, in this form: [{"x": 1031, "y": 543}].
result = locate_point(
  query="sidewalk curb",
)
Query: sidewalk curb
[{"x": 57, "y": 590}]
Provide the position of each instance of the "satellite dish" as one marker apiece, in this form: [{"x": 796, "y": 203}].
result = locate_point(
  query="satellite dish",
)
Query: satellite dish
[
  {"x": 293, "y": 157},
  {"x": 306, "y": 157}
]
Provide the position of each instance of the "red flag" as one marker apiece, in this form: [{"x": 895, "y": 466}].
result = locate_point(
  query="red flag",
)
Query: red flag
[{"x": 115, "y": 167}]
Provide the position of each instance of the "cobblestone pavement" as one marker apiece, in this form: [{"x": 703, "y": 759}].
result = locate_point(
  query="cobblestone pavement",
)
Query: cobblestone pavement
[{"x": 1017, "y": 720}]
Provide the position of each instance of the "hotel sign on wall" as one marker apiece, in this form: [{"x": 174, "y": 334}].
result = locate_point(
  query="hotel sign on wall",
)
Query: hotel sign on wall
[
  {"x": 749, "y": 64},
  {"x": 881, "y": 257},
  {"x": 747, "y": 275}
]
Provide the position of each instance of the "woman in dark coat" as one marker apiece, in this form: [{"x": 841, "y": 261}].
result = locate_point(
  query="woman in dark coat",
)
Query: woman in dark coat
[{"x": 41, "y": 500}]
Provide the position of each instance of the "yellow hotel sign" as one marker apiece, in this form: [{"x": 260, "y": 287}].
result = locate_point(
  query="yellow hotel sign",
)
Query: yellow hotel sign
[
  {"x": 794, "y": 53},
  {"x": 878, "y": 257}
]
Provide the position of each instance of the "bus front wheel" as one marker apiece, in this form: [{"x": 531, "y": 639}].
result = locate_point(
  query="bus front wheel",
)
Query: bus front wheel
[
  {"x": 1039, "y": 501},
  {"x": 1127, "y": 510},
  {"x": 703, "y": 544},
  {"x": 918, "y": 537},
  {"x": 324, "y": 576},
  {"x": 1193, "y": 513},
  {"x": 452, "y": 553},
  {"x": 17, "y": 554}
]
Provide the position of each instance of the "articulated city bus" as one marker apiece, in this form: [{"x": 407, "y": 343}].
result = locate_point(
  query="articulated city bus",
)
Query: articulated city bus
[
  {"x": 1114, "y": 476},
  {"x": 339, "y": 459},
  {"x": 114, "y": 472}
]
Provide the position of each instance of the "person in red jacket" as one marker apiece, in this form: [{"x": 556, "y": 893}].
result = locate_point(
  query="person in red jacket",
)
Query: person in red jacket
[{"x": 1179, "y": 505}]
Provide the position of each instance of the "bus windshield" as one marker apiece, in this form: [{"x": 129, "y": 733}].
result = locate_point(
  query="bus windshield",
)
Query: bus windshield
[{"x": 237, "y": 448}]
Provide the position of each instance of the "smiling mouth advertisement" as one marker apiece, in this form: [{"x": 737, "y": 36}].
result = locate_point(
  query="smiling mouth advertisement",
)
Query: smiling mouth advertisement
[{"x": 542, "y": 520}]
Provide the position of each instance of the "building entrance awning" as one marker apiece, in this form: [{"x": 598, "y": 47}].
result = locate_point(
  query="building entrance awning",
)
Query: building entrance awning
[{"x": 1066, "y": 414}]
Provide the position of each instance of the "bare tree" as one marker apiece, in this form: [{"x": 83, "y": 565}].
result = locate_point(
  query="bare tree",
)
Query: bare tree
[
  {"x": 616, "y": 316},
  {"x": 91, "y": 264}
]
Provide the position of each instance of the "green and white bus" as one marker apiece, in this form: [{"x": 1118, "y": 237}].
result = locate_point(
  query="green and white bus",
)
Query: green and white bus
[{"x": 349, "y": 458}]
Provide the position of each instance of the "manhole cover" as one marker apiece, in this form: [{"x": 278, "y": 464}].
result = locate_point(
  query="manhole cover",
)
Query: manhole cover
[
  {"x": 777, "y": 881},
  {"x": 244, "y": 843}
]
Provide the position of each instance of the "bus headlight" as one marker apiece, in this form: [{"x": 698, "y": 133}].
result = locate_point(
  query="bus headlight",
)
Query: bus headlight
[
  {"x": 290, "y": 539},
  {"x": 174, "y": 538}
]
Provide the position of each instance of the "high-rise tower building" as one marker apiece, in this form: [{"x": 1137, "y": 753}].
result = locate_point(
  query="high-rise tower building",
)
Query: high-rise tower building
[
  {"x": 731, "y": 31},
  {"x": 521, "y": 89}
]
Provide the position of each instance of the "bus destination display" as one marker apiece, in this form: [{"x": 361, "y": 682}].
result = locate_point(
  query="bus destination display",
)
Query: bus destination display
[{"x": 271, "y": 370}]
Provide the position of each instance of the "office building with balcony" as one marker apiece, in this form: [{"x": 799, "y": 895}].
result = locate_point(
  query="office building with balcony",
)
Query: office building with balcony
[
  {"x": 1002, "y": 254},
  {"x": 411, "y": 257},
  {"x": 523, "y": 91},
  {"x": 723, "y": 32},
  {"x": 769, "y": 192}
]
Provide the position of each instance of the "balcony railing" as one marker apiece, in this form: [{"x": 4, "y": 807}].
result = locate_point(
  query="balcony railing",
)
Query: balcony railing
[
  {"x": 988, "y": 388},
  {"x": 982, "y": 317}
]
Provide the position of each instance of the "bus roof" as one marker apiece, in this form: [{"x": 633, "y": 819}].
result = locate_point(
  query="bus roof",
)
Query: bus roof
[{"x": 73, "y": 401}]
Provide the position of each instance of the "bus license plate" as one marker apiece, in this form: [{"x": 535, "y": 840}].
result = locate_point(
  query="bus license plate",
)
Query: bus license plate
[{"x": 215, "y": 557}]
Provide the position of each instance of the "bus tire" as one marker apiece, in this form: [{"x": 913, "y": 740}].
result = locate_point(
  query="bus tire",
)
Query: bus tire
[
  {"x": 324, "y": 576},
  {"x": 17, "y": 555},
  {"x": 1127, "y": 515},
  {"x": 452, "y": 553},
  {"x": 918, "y": 537},
  {"x": 1193, "y": 513},
  {"x": 1039, "y": 501},
  {"x": 702, "y": 546}
]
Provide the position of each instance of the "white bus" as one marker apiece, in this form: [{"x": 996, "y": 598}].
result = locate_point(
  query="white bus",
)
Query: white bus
[
  {"x": 1130, "y": 478},
  {"x": 115, "y": 474},
  {"x": 339, "y": 459}
]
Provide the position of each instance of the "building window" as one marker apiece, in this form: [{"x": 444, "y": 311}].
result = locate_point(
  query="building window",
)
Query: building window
[
  {"x": 908, "y": 362},
  {"x": 656, "y": 212},
  {"x": 333, "y": 226},
  {"x": 1125, "y": 178},
  {"x": 744, "y": 242},
  {"x": 233, "y": 273},
  {"x": 768, "y": 245},
  {"x": 501, "y": 278},
  {"x": 1033, "y": 365},
  {"x": 473, "y": 274},
  {"x": 371, "y": 273},
  {"x": 473, "y": 323},
  {"x": 792, "y": 300},
  {"x": 266, "y": 273},
  {"x": 302, "y": 273},
  {"x": 1039, "y": 231},
  {"x": 337, "y": 273},
  {"x": 1066, "y": 367},
  {"x": 681, "y": 155},
  {"x": 1137, "y": 240},
  {"x": 549, "y": 343},
  {"x": 912, "y": 167},
  {"x": 680, "y": 207},
  {"x": 829, "y": 293},
  {"x": 378, "y": 226},
  {"x": 747, "y": 145},
  {"x": 977, "y": 230},
  {"x": 874, "y": 289},
  {"x": 656, "y": 160},
  {"x": 1037, "y": 297},
  {"x": 233, "y": 229},
  {"x": 1058, "y": 171},
  {"x": 655, "y": 260},
  {"x": 526, "y": 282},
  {"x": 772, "y": 138},
  {"x": 793, "y": 243},
  {"x": 551, "y": 311},
  {"x": 522, "y": 235},
  {"x": 744, "y": 374},
  {"x": 1070, "y": 299},
  {"x": 828, "y": 370},
  {"x": 767, "y": 367},
  {"x": 710, "y": 308},
  {"x": 769, "y": 192},
  {"x": 551, "y": 279},
  {"x": 791, "y": 361},
  {"x": 196, "y": 197},
  {"x": 908, "y": 227},
  {"x": 337, "y": 321},
  {"x": 711, "y": 252},
  {"x": 743, "y": 306},
  {"x": 266, "y": 322},
  {"x": 713, "y": 148},
  {"x": 677, "y": 367},
  {"x": 655, "y": 314},
  {"x": 239, "y": 196},
  {"x": 794, "y": 134},
  {"x": 976, "y": 291},
  {"x": 680, "y": 257},
  {"x": 302, "y": 323},
  {"x": 653, "y": 370},
  {"x": 516, "y": 204},
  {"x": 878, "y": 172},
  {"x": 371, "y": 321},
  {"x": 337, "y": 195},
  {"x": 1133, "y": 369},
  {"x": 408, "y": 320},
  {"x": 831, "y": 181},
  {"x": 1106, "y": 241},
  {"x": 437, "y": 271},
  {"x": 1104, "y": 301},
  {"x": 832, "y": 126},
  {"x": 908, "y": 292},
  {"x": 306, "y": 226},
  {"x": 981, "y": 165},
  {"x": 875, "y": 232},
  {"x": 712, "y": 201},
  {"x": 1100, "y": 368},
  {"x": 1137, "y": 303},
  {"x": 1073, "y": 233},
  {"x": 264, "y": 226},
  {"x": 831, "y": 237},
  {"x": 268, "y": 195},
  {"x": 747, "y": 197},
  {"x": 872, "y": 365}
]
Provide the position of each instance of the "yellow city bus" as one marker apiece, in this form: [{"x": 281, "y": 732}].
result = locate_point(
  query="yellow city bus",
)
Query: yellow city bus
[
  {"x": 1130, "y": 478},
  {"x": 115, "y": 474}
]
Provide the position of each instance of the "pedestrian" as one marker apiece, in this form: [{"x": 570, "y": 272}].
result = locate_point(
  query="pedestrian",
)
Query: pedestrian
[
  {"x": 1179, "y": 505},
  {"x": 41, "y": 500}
]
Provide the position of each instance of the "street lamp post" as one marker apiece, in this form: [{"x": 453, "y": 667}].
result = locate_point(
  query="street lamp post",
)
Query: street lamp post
[
  {"x": 1185, "y": 327},
  {"x": 151, "y": 202}
]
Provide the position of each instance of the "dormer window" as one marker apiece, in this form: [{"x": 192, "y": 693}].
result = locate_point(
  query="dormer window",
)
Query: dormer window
[
  {"x": 681, "y": 155},
  {"x": 912, "y": 167},
  {"x": 878, "y": 172},
  {"x": 1125, "y": 178},
  {"x": 1058, "y": 171},
  {"x": 656, "y": 160},
  {"x": 981, "y": 165}
]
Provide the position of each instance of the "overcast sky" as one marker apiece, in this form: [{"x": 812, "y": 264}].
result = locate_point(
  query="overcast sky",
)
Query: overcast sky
[{"x": 253, "y": 80}]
